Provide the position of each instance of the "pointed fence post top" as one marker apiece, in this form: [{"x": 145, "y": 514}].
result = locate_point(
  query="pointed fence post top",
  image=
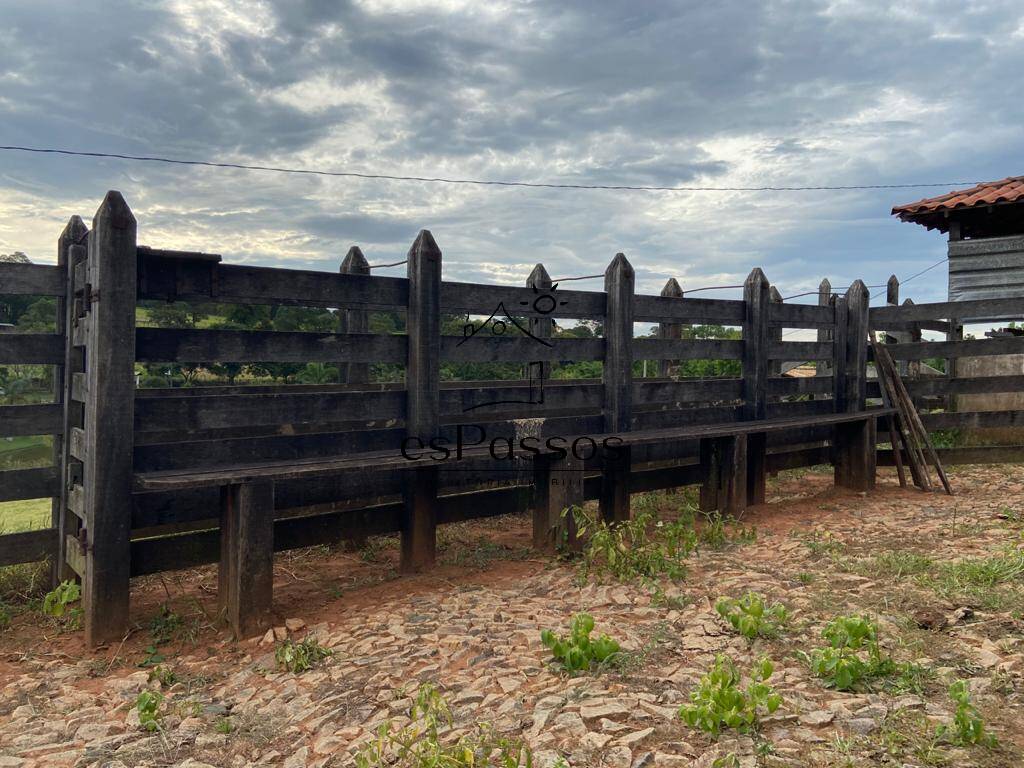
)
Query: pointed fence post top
[
  {"x": 892, "y": 290},
  {"x": 354, "y": 262},
  {"x": 424, "y": 247},
  {"x": 672, "y": 289},
  {"x": 619, "y": 269},
  {"x": 114, "y": 212},
  {"x": 774, "y": 295},
  {"x": 857, "y": 292},
  {"x": 539, "y": 278},
  {"x": 73, "y": 231},
  {"x": 756, "y": 279},
  {"x": 825, "y": 286}
]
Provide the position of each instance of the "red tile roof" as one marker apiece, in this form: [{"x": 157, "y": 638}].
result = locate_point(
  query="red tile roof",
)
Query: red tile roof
[{"x": 1008, "y": 190}]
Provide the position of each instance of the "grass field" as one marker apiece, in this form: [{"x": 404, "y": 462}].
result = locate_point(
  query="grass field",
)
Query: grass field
[{"x": 24, "y": 515}]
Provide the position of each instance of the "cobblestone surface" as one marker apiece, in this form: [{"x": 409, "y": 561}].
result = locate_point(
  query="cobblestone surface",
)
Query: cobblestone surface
[{"x": 476, "y": 633}]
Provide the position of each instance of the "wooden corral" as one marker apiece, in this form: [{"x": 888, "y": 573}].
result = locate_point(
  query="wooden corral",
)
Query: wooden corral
[{"x": 149, "y": 480}]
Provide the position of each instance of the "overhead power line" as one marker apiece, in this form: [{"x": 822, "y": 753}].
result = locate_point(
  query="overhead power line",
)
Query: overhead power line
[{"x": 476, "y": 182}]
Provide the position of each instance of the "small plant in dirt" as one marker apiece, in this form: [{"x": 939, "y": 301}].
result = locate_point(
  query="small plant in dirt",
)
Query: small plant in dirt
[
  {"x": 821, "y": 543},
  {"x": 577, "y": 652},
  {"x": 224, "y": 726},
  {"x": 420, "y": 743},
  {"x": 60, "y": 604},
  {"x": 719, "y": 532},
  {"x": 165, "y": 676},
  {"x": 852, "y": 656},
  {"x": 298, "y": 657},
  {"x": 640, "y": 548},
  {"x": 968, "y": 726},
  {"x": 5, "y": 616},
  {"x": 721, "y": 702},
  {"x": 752, "y": 616},
  {"x": 148, "y": 704}
]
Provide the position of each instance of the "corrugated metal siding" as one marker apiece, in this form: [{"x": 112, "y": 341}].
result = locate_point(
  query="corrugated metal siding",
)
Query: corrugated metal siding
[{"x": 988, "y": 268}]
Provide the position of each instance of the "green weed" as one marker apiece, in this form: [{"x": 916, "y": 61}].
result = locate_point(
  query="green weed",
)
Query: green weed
[
  {"x": 719, "y": 701},
  {"x": 148, "y": 705},
  {"x": 852, "y": 656},
  {"x": 968, "y": 726},
  {"x": 298, "y": 657},
  {"x": 60, "y": 604},
  {"x": 577, "y": 652},
  {"x": 752, "y": 616}
]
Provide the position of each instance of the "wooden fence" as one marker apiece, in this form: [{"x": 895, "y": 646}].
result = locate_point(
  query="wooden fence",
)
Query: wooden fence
[{"x": 106, "y": 429}]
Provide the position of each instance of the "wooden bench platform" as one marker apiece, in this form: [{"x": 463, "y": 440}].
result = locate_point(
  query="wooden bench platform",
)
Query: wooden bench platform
[{"x": 732, "y": 478}]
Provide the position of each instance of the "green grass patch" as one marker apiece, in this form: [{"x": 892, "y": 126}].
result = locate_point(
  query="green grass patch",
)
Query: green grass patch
[
  {"x": 26, "y": 452},
  {"x": 27, "y": 515}
]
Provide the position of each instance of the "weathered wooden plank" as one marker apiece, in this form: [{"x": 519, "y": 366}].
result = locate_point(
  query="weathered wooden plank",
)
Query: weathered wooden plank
[
  {"x": 74, "y": 557},
  {"x": 31, "y": 280},
  {"x": 31, "y": 349},
  {"x": 1005, "y": 345},
  {"x": 213, "y": 411},
  {"x": 677, "y": 393},
  {"x": 77, "y": 444},
  {"x": 246, "y": 575},
  {"x": 161, "y": 345},
  {"x": 354, "y": 320},
  {"x": 617, "y": 375},
  {"x": 756, "y": 346},
  {"x": 46, "y": 419},
  {"x": 966, "y": 311},
  {"x": 799, "y": 385},
  {"x": 28, "y": 546},
  {"x": 505, "y": 301},
  {"x": 972, "y": 385},
  {"x": 423, "y": 409},
  {"x": 557, "y": 486},
  {"x": 973, "y": 419},
  {"x": 36, "y": 483},
  {"x": 687, "y": 349},
  {"x": 236, "y": 284},
  {"x": 805, "y": 457},
  {"x": 854, "y": 443},
  {"x": 800, "y": 350},
  {"x": 673, "y": 331},
  {"x": 801, "y": 315},
  {"x": 110, "y": 373},
  {"x": 657, "y": 309},
  {"x": 487, "y": 348}
]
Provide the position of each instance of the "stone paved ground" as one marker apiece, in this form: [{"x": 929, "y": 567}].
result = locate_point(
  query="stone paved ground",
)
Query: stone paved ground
[{"x": 473, "y": 626}]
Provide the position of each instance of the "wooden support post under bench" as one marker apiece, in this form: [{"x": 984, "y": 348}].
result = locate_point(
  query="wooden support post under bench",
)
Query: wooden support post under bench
[
  {"x": 557, "y": 486},
  {"x": 246, "y": 577},
  {"x": 723, "y": 462}
]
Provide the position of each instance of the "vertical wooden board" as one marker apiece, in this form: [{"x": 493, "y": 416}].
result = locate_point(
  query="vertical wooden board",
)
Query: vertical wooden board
[
  {"x": 857, "y": 299},
  {"x": 617, "y": 377},
  {"x": 246, "y": 576},
  {"x": 839, "y": 371},
  {"x": 109, "y": 419},
  {"x": 557, "y": 486},
  {"x": 710, "y": 470},
  {"x": 541, "y": 327},
  {"x": 756, "y": 296},
  {"x": 68, "y": 252},
  {"x": 732, "y": 494},
  {"x": 825, "y": 299},
  {"x": 672, "y": 331},
  {"x": 354, "y": 320},
  {"x": 422, "y": 382}
]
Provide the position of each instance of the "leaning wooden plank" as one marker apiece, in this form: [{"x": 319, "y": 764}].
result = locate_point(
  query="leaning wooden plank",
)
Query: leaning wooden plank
[
  {"x": 900, "y": 420},
  {"x": 27, "y": 546},
  {"x": 31, "y": 349},
  {"x": 44, "y": 419},
  {"x": 37, "y": 483},
  {"x": 31, "y": 280},
  {"x": 197, "y": 346}
]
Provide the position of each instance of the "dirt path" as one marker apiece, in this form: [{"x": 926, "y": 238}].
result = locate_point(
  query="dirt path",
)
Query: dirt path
[{"x": 473, "y": 627}]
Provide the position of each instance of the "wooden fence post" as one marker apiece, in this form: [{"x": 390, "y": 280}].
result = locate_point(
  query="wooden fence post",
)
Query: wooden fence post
[
  {"x": 892, "y": 298},
  {"x": 755, "y": 379},
  {"x": 619, "y": 280},
  {"x": 541, "y": 327},
  {"x": 354, "y": 320},
  {"x": 825, "y": 299},
  {"x": 245, "y": 589},
  {"x": 110, "y": 295},
  {"x": 775, "y": 333},
  {"x": 70, "y": 251},
  {"x": 671, "y": 290},
  {"x": 422, "y": 383},
  {"x": 855, "y": 442}
]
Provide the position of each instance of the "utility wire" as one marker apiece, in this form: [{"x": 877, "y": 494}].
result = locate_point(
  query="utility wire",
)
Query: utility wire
[{"x": 476, "y": 182}]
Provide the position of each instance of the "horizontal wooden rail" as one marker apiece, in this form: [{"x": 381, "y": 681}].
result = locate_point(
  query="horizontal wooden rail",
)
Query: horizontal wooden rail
[
  {"x": 800, "y": 350},
  {"x": 984, "y": 309},
  {"x": 45, "y": 419},
  {"x": 666, "y": 309},
  {"x": 973, "y": 419},
  {"x": 801, "y": 315},
  {"x": 30, "y": 280},
  {"x": 989, "y": 454},
  {"x": 235, "y": 284},
  {"x": 687, "y": 349},
  {"x": 512, "y": 301},
  {"x": 487, "y": 348},
  {"x": 921, "y": 350},
  {"x": 35, "y": 483},
  {"x": 28, "y": 546},
  {"x": 799, "y": 385},
  {"x": 31, "y": 349}
]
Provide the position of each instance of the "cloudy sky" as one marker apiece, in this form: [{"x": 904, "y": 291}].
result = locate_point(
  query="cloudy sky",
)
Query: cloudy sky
[{"x": 640, "y": 92}]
